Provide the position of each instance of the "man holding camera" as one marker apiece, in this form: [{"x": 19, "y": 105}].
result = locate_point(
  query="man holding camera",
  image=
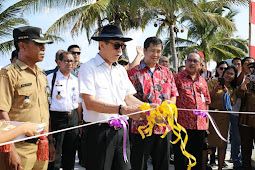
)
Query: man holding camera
[{"x": 247, "y": 121}]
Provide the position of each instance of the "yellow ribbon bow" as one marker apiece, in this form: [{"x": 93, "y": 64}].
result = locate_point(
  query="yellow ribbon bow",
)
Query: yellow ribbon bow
[{"x": 164, "y": 115}]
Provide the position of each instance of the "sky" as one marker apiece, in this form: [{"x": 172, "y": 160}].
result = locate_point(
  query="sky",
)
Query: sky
[{"x": 48, "y": 16}]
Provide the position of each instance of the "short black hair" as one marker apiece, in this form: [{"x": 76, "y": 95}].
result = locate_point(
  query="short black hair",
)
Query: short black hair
[
  {"x": 246, "y": 58},
  {"x": 73, "y": 46},
  {"x": 15, "y": 54},
  {"x": 237, "y": 58},
  {"x": 152, "y": 40},
  {"x": 179, "y": 68},
  {"x": 17, "y": 42},
  {"x": 61, "y": 55},
  {"x": 195, "y": 52}
]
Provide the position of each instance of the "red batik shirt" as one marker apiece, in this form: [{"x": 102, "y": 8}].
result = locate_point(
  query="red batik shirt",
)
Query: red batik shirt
[
  {"x": 192, "y": 95},
  {"x": 151, "y": 87}
]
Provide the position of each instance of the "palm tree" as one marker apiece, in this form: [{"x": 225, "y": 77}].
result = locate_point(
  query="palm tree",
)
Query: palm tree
[
  {"x": 11, "y": 18},
  {"x": 170, "y": 12},
  {"x": 215, "y": 40},
  {"x": 167, "y": 13},
  {"x": 91, "y": 17}
]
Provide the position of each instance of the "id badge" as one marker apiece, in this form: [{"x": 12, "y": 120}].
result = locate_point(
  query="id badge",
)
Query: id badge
[
  {"x": 74, "y": 98},
  {"x": 203, "y": 98}
]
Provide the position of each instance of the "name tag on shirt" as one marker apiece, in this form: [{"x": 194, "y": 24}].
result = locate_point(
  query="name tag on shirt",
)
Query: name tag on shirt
[
  {"x": 74, "y": 98},
  {"x": 203, "y": 98},
  {"x": 187, "y": 87},
  {"x": 27, "y": 84}
]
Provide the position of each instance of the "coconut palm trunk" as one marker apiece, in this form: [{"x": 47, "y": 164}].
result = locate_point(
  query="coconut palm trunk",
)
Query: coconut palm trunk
[{"x": 172, "y": 47}]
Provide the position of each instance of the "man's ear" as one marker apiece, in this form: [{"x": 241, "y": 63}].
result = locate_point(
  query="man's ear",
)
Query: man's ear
[
  {"x": 58, "y": 62},
  {"x": 101, "y": 45},
  {"x": 21, "y": 46}
]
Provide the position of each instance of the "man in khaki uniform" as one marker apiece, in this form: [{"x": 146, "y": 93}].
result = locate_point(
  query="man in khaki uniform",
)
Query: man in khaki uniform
[{"x": 24, "y": 96}]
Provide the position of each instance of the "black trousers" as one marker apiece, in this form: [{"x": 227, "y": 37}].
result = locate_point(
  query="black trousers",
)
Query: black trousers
[
  {"x": 247, "y": 135},
  {"x": 103, "y": 148},
  {"x": 195, "y": 146},
  {"x": 66, "y": 142},
  {"x": 154, "y": 146}
]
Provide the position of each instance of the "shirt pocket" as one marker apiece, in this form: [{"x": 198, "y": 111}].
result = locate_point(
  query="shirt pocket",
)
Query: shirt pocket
[
  {"x": 102, "y": 88},
  {"x": 59, "y": 89},
  {"x": 28, "y": 93}
]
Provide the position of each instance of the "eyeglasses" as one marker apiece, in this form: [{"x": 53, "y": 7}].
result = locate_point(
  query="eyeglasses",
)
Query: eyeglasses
[
  {"x": 74, "y": 52},
  {"x": 118, "y": 45},
  {"x": 222, "y": 68},
  {"x": 194, "y": 61},
  {"x": 68, "y": 61}
]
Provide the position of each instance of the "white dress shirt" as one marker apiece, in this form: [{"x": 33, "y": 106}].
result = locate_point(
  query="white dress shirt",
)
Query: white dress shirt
[
  {"x": 67, "y": 89},
  {"x": 110, "y": 85}
]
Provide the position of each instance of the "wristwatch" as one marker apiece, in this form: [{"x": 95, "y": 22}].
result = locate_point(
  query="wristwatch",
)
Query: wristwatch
[{"x": 120, "y": 109}]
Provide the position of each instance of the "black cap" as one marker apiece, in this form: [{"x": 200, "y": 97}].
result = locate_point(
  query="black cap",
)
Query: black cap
[
  {"x": 30, "y": 33},
  {"x": 111, "y": 32}
]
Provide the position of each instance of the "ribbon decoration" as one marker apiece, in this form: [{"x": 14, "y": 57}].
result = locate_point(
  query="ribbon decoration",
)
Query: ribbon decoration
[
  {"x": 164, "y": 115},
  {"x": 43, "y": 148},
  {"x": 206, "y": 114},
  {"x": 121, "y": 123}
]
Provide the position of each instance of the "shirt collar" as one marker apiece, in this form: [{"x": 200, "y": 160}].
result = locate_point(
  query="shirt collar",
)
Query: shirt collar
[
  {"x": 143, "y": 65},
  {"x": 99, "y": 60},
  {"x": 187, "y": 74},
  {"x": 60, "y": 75},
  {"x": 24, "y": 66}
]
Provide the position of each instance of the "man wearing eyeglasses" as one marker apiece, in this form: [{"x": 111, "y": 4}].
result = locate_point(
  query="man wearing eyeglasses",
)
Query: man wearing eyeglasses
[
  {"x": 107, "y": 93},
  {"x": 154, "y": 84},
  {"x": 76, "y": 51},
  {"x": 193, "y": 94},
  {"x": 63, "y": 111}
]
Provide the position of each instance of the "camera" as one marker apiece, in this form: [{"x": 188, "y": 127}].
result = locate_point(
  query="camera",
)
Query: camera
[
  {"x": 252, "y": 77},
  {"x": 222, "y": 81},
  {"x": 251, "y": 86}
]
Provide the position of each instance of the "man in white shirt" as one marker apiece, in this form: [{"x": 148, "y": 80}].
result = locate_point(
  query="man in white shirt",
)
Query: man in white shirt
[
  {"x": 107, "y": 92},
  {"x": 63, "y": 111}
]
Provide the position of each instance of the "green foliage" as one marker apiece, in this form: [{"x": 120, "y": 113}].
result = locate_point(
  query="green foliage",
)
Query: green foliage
[
  {"x": 11, "y": 18},
  {"x": 91, "y": 17},
  {"x": 211, "y": 34}
]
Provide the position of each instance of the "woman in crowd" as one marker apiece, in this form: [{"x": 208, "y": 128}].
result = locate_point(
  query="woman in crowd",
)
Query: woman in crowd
[
  {"x": 220, "y": 67},
  {"x": 217, "y": 91}
]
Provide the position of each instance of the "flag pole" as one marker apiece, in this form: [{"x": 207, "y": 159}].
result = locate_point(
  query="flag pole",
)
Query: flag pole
[{"x": 250, "y": 28}]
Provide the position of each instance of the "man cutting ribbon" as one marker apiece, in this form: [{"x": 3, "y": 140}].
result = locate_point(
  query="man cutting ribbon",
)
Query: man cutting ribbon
[{"x": 107, "y": 92}]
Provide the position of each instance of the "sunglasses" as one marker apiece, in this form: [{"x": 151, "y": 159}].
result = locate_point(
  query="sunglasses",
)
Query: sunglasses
[
  {"x": 118, "y": 45},
  {"x": 78, "y": 53},
  {"x": 222, "y": 68}
]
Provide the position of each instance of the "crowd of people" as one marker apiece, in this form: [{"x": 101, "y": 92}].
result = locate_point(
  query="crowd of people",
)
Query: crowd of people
[{"x": 109, "y": 87}]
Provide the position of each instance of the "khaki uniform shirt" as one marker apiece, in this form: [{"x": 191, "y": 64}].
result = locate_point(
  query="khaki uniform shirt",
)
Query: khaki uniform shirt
[
  {"x": 248, "y": 105},
  {"x": 217, "y": 99},
  {"x": 18, "y": 81}
]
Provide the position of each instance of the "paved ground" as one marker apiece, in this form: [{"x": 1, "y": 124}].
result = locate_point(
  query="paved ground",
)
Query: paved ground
[{"x": 227, "y": 160}]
